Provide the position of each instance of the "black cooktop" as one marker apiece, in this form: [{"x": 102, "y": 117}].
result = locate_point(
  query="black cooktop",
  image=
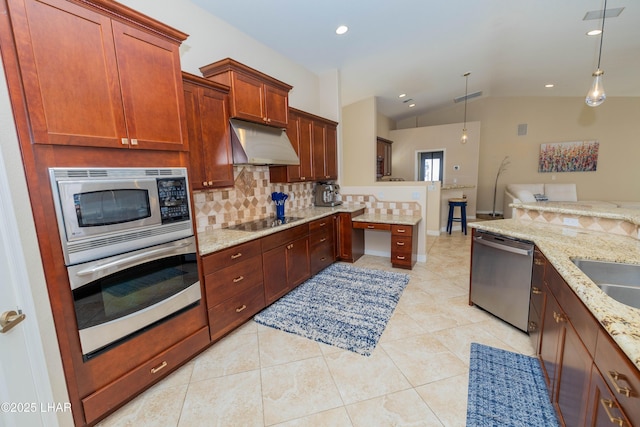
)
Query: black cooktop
[{"x": 262, "y": 224}]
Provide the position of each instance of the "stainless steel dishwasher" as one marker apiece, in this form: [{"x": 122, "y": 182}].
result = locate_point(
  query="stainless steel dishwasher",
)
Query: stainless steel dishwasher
[{"x": 501, "y": 276}]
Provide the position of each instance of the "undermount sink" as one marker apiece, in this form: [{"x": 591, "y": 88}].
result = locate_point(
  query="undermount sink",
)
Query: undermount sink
[{"x": 618, "y": 280}]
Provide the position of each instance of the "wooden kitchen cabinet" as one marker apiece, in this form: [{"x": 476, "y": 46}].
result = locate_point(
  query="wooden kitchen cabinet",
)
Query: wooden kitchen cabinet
[
  {"x": 537, "y": 299},
  {"x": 350, "y": 240},
  {"x": 255, "y": 96},
  {"x": 603, "y": 409},
  {"x": 233, "y": 281},
  {"x": 321, "y": 244},
  {"x": 99, "y": 74},
  {"x": 404, "y": 246},
  {"x": 315, "y": 140},
  {"x": 210, "y": 155},
  {"x": 285, "y": 260}
]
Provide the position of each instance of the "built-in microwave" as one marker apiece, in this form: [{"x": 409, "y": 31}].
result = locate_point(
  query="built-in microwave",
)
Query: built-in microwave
[{"x": 109, "y": 211}]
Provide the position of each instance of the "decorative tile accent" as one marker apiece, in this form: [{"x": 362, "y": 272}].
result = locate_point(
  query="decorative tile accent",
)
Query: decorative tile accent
[{"x": 374, "y": 206}]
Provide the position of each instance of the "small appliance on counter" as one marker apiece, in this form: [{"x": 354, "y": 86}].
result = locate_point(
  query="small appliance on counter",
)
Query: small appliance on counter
[{"x": 326, "y": 194}]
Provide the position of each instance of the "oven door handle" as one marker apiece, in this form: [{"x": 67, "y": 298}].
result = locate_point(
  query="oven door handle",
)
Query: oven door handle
[{"x": 133, "y": 259}]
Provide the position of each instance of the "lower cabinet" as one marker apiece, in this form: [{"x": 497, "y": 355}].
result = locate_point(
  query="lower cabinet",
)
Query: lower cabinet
[
  {"x": 285, "y": 261},
  {"x": 404, "y": 248},
  {"x": 537, "y": 299},
  {"x": 590, "y": 381},
  {"x": 321, "y": 243},
  {"x": 349, "y": 240}
]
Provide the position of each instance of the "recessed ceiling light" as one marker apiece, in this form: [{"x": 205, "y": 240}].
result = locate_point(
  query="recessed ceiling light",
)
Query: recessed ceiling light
[
  {"x": 549, "y": 85},
  {"x": 412, "y": 105},
  {"x": 342, "y": 29},
  {"x": 594, "y": 32},
  {"x": 402, "y": 95}
]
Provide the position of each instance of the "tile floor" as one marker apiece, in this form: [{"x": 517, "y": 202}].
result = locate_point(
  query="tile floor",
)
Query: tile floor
[{"x": 416, "y": 376}]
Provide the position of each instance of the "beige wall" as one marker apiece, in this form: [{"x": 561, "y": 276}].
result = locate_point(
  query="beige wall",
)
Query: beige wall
[
  {"x": 552, "y": 119},
  {"x": 358, "y": 143}
]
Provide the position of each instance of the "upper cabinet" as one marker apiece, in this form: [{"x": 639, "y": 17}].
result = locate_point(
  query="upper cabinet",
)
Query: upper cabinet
[
  {"x": 207, "y": 107},
  {"x": 315, "y": 140},
  {"x": 255, "y": 96},
  {"x": 99, "y": 74}
]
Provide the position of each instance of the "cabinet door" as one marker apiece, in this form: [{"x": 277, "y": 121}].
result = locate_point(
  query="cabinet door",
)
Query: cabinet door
[
  {"x": 298, "y": 267},
  {"x": 197, "y": 176},
  {"x": 318, "y": 143},
  {"x": 552, "y": 339},
  {"x": 537, "y": 299},
  {"x": 214, "y": 122},
  {"x": 331, "y": 152},
  {"x": 274, "y": 264},
  {"x": 276, "y": 106},
  {"x": 70, "y": 74},
  {"x": 151, "y": 80},
  {"x": 306, "y": 150},
  {"x": 293, "y": 132},
  {"x": 248, "y": 98},
  {"x": 604, "y": 410}
]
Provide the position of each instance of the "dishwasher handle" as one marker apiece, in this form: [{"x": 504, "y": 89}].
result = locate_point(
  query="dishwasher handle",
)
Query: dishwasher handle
[{"x": 503, "y": 247}]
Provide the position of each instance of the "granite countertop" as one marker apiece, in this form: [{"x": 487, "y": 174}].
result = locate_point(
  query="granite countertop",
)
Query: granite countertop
[
  {"x": 389, "y": 219},
  {"x": 586, "y": 208},
  {"x": 221, "y": 238},
  {"x": 560, "y": 244}
]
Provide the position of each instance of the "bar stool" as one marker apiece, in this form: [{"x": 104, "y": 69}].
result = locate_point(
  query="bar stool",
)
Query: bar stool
[{"x": 462, "y": 203}]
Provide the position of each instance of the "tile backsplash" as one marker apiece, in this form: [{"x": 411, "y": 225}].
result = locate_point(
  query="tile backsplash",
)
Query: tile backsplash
[{"x": 249, "y": 199}]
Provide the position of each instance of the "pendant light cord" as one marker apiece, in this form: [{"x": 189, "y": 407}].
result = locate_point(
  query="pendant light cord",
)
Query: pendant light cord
[
  {"x": 466, "y": 91},
  {"x": 604, "y": 14}
]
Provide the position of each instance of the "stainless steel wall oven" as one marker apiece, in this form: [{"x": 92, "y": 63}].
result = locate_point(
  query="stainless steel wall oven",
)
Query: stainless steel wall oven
[{"x": 128, "y": 243}]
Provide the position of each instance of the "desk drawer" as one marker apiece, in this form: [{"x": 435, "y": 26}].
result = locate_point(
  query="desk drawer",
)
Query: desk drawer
[
  {"x": 371, "y": 225},
  {"x": 402, "y": 230},
  {"x": 233, "y": 280}
]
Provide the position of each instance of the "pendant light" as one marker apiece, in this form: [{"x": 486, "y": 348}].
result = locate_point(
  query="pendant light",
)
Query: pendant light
[
  {"x": 596, "y": 95},
  {"x": 464, "y": 138}
]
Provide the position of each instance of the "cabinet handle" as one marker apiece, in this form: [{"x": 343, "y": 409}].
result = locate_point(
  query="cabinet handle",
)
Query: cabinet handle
[
  {"x": 238, "y": 255},
  {"x": 238, "y": 279},
  {"x": 324, "y": 239},
  {"x": 210, "y": 182},
  {"x": 239, "y": 309},
  {"x": 536, "y": 291},
  {"x": 124, "y": 141},
  {"x": 159, "y": 367},
  {"x": 559, "y": 317},
  {"x": 371, "y": 226},
  {"x": 204, "y": 184},
  {"x": 608, "y": 405},
  {"x": 322, "y": 224},
  {"x": 134, "y": 141},
  {"x": 400, "y": 243},
  {"x": 533, "y": 326},
  {"x": 401, "y": 230},
  {"x": 400, "y": 257},
  {"x": 323, "y": 258},
  {"x": 538, "y": 261},
  {"x": 290, "y": 246},
  {"x": 614, "y": 377}
]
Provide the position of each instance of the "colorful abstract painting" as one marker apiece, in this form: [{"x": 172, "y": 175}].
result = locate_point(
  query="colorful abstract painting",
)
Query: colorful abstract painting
[{"x": 579, "y": 156}]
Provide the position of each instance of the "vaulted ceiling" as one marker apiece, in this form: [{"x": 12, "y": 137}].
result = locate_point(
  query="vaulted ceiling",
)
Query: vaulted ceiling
[{"x": 423, "y": 47}]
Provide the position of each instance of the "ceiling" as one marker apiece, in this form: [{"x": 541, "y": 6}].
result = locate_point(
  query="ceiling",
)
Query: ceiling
[{"x": 423, "y": 47}]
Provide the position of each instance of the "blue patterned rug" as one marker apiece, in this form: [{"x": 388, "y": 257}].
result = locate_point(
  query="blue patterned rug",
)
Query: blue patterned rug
[
  {"x": 507, "y": 389},
  {"x": 343, "y": 306}
]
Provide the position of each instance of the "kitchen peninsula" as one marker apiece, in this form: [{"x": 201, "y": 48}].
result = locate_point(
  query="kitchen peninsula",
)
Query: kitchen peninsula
[{"x": 596, "y": 345}]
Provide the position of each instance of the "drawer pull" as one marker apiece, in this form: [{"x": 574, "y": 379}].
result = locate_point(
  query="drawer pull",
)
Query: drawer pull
[
  {"x": 400, "y": 257},
  {"x": 559, "y": 318},
  {"x": 608, "y": 405},
  {"x": 614, "y": 377},
  {"x": 533, "y": 326},
  {"x": 400, "y": 243},
  {"x": 324, "y": 239},
  {"x": 322, "y": 224},
  {"x": 401, "y": 230},
  {"x": 371, "y": 226},
  {"x": 238, "y": 255},
  {"x": 538, "y": 261},
  {"x": 323, "y": 258},
  {"x": 159, "y": 367},
  {"x": 239, "y": 309},
  {"x": 536, "y": 291},
  {"x": 238, "y": 279}
]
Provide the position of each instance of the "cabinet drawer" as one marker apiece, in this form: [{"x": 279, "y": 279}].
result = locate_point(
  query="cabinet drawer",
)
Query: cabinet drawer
[
  {"x": 230, "y": 314},
  {"x": 321, "y": 236},
  {"x": 401, "y": 245},
  {"x": 371, "y": 225},
  {"x": 233, "y": 280},
  {"x": 321, "y": 256},
  {"x": 620, "y": 374},
  {"x": 325, "y": 223},
  {"x": 284, "y": 237},
  {"x": 402, "y": 230},
  {"x": 118, "y": 392},
  {"x": 227, "y": 257}
]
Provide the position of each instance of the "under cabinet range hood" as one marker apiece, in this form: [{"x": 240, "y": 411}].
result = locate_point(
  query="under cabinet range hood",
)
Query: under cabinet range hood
[{"x": 255, "y": 144}]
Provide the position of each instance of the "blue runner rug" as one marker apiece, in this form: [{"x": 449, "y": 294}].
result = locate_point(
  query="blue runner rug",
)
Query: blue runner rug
[
  {"x": 507, "y": 389},
  {"x": 343, "y": 306}
]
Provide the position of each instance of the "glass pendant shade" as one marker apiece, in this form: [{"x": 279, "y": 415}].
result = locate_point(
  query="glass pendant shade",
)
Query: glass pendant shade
[
  {"x": 464, "y": 138},
  {"x": 596, "y": 95}
]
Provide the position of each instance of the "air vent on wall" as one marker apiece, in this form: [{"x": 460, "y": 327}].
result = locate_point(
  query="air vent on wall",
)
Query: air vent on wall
[
  {"x": 522, "y": 129},
  {"x": 597, "y": 14},
  {"x": 469, "y": 96}
]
